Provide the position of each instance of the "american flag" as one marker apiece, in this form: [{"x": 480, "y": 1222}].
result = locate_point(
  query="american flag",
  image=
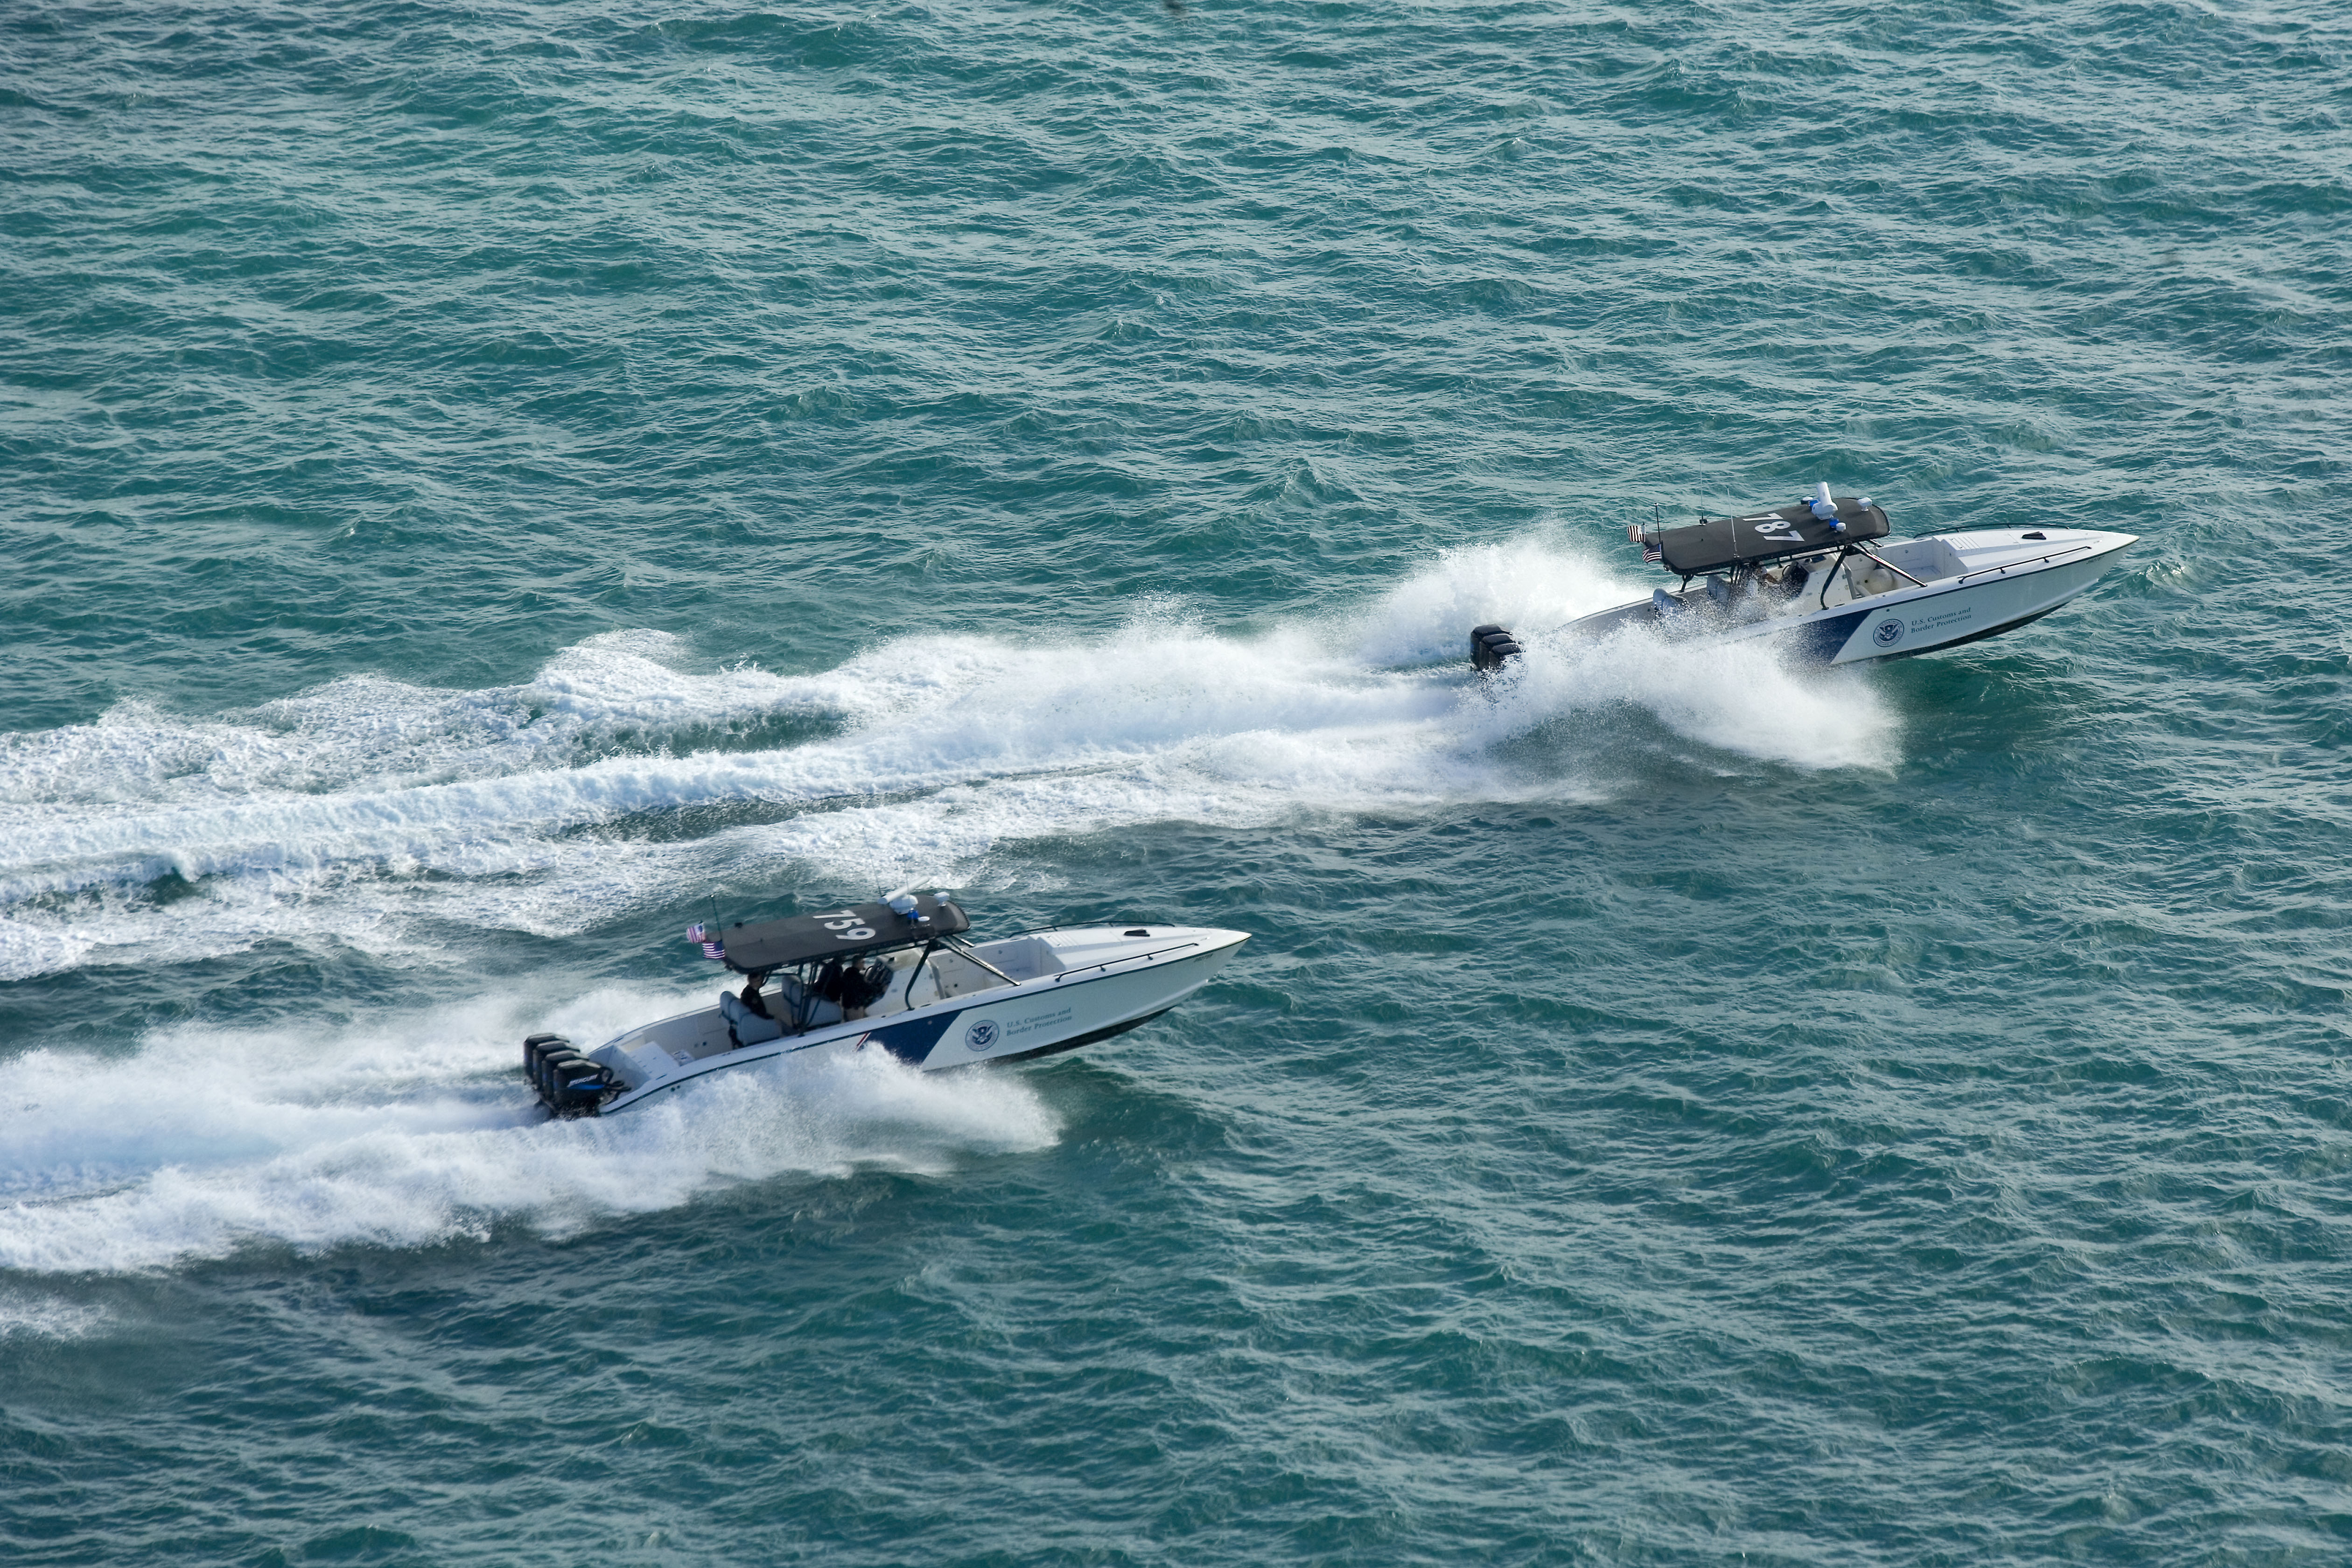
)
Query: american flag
[
  {"x": 709, "y": 949},
  {"x": 1652, "y": 552}
]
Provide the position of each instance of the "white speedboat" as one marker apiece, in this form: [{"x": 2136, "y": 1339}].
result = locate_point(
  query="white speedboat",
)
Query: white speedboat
[
  {"x": 897, "y": 976},
  {"x": 1813, "y": 577}
]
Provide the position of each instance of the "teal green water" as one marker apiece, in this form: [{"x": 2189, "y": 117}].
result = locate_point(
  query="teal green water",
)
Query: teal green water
[{"x": 485, "y": 486}]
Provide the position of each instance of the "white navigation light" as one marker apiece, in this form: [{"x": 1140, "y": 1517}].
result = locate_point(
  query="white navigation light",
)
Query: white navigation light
[{"x": 1824, "y": 507}]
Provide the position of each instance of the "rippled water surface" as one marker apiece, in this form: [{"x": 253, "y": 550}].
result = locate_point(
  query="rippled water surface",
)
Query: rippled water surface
[{"x": 485, "y": 487}]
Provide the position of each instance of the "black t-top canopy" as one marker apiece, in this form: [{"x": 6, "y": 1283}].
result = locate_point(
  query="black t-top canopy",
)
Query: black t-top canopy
[
  {"x": 839, "y": 932},
  {"x": 1712, "y": 544}
]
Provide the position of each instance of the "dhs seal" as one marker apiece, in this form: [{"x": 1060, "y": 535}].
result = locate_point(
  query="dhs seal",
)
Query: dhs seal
[
  {"x": 981, "y": 1035},
  {"x": 1889, "y": 633}
]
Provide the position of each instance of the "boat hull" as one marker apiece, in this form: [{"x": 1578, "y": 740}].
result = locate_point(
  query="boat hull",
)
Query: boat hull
[{"x": 1077, "y": 1005}]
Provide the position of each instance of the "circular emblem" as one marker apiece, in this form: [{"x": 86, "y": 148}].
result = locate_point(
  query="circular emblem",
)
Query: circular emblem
[
  {"x": 1889, "y": 633},
  {"x": 981, "y": 1035}
]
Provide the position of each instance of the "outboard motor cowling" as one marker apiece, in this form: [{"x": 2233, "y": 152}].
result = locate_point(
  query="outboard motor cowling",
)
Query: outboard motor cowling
[
  {"x": 1490, "y": 646},
  {"x": 580, "y": 1089},
  {"x": 552, "y": 1065},
  {"x": 566, "y": 1082},
  {"x": 535, "y": 1053}
]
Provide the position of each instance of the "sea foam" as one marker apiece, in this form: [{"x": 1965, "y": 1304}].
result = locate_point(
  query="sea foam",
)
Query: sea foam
[{"x": 415, "y": 1130}]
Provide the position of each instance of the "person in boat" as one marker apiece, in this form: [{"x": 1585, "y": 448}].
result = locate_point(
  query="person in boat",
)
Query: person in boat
[
  {"x": 853, "y": 985},
  {"x": 753, "y": 999}
]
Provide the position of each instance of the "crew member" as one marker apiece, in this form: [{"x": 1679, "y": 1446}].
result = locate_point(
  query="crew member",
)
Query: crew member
[{"x": 752, "y": 997}]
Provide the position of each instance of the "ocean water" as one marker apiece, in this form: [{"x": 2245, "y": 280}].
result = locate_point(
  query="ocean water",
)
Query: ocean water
[{"x": 485, "y": 486}]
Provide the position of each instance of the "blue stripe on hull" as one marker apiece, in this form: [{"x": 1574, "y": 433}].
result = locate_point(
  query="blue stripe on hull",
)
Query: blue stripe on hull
[
  {"x": 912, "y": 1041},
  {"x": 1820, "y": 640}
]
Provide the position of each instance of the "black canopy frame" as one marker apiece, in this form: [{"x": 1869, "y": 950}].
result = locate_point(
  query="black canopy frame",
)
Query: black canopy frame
[
  {"x": 1742, "y": 544},
  {"x": 853, "y": 930}
]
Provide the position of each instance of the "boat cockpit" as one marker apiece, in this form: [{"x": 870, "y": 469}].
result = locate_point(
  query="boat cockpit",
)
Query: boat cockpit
[{"x": 864, "y": 962}]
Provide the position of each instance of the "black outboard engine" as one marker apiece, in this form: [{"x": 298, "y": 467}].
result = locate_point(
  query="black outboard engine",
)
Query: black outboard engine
[
  {"x": 569, "y": 1084},
  {"x": 1490, "y": 646}
]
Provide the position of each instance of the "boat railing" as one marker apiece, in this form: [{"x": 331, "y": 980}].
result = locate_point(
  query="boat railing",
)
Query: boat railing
[
  {"x": 1865, "y": 550},
  {"x": 1122, "y": 958},
  {"x": 2008, "y": 566}
]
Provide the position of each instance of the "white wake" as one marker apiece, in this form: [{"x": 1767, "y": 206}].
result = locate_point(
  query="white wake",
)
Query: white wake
[
  {"x": 374, "y": 814},
  {"x": 418, "y": 1130},
  {"x": 351, "y": 811}
]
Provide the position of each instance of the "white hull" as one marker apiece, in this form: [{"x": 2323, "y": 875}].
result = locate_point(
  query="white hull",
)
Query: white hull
[
  {"x": 1088, "y": 985},
  {"x": 1972, "y": 585}
]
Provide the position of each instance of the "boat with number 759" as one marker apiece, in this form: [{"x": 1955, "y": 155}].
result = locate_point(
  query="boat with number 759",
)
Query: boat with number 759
[{"x": 899, "y": 977}]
